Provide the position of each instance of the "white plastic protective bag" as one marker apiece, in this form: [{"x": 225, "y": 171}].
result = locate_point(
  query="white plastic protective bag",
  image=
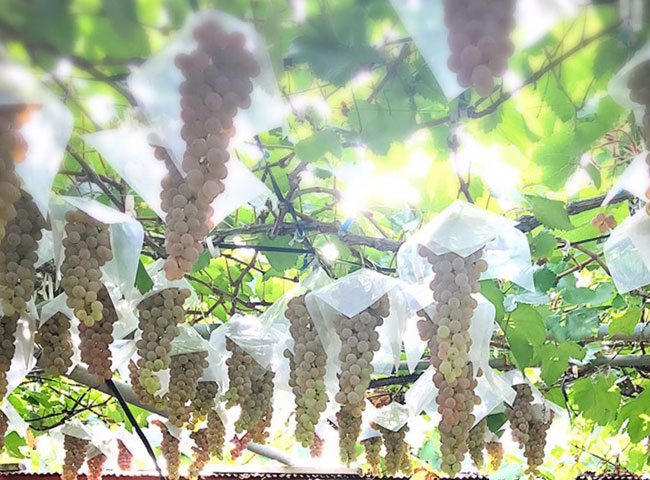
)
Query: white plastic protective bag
[
  {"x": 129, "y": 151},
  {"x": 350, "y": 295},
  {"x": 188, "y": 341},
  {"x": 155, "y": 86},
  {"x": 23, "y": 360},
  {"x": 16, "y": 422},
  {"x": 393, "y": 416},
  {"x": 618, "y": 89},
  {"x": 46, "y": 132},
  {"x": 627, "y": 253},
  {"x": 634, "y": 179},
  {"x": 74, "y": 428},
  {"x": 156, "y": 272},
  {"x": 463, "y": 228},
  {"x": 126, "y": 235}
]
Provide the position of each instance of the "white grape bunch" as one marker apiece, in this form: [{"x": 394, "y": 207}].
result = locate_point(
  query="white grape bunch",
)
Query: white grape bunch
[
  {"x": 359, "y": 342},
  {"x": 96, "y": 466},
  {"x": 307, "y": 370},
  {"x": 204, "y": 401},
  {"x": 18, "y": 255},
  {"x": 534, "y": 448},
  {"x": 520, "y": 414},
  {"x": 96, "y": 340},
  {"x": 478, "y": 38},
  {"x": 217, "y": 83},
  {"x": 55, "y": 339},
  {"x": 87, "y": 248},
  {"x": 8, "y": 327},
  {"x": 476, "y": 442},
  {"x": 495, "y": 451},
  {"x": 251, "y": 388},
  {"x": 141, "y": 393},
  {"x": 447, "y": 335},
  {"x": 372, "y": 447},
  {"x": 124, "y": 456},
  {"x": 4, "y": 425},
  {"x": 13, "y": 150},
  {"x": 216, "y": 434},
  {"x": 200, "y": 451},
  {"x": 159, "y": 316},
  {"x": 185, "y": 369},
  {"x": 170, "y": 448},
  {"x": 75, "y": 454},
  {"x": 397, "y": 450}
]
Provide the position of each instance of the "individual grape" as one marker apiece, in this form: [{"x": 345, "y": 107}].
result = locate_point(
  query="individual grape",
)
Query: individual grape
[
  {"x": 372, "y": 447},
  {"x": 397, "y": 450},
  {"x": 307, "y": 370},
  {"x": 495, "y": 452},
  {"x": 96, "y": 339},
  {"x": 75, "y": 454},
  {"x": 55, "y": 340},
  {"x": 96, "y": 466},
  {"x": 170, "y": 450},
  {"x": 159, "y": 316},
  {"x": 204, "y": 401},
  {"x": 316, "y": 448},
  {"x": 124, "y": 456},
  {"x": 4, "y": 425},
  {"x": 534, "y": 449},
  {"x": 87, "y": 248},
  {"x": 13, "y": 150},
  {"x": 447, "y": 335},
  {"x": 476, "y": 442},
  {"x": 251, "y": 388},
  {"x": 359, "y": 342},
  {"x": 217, "y": 83},
  {"x": 520, "y": 414},
  {"x": 216, "y": 434},
  {"x": 201, "y": 452},
  {"x": 8, "y": 327},
  {"x": 479, "y": 41},
  {"x": 18, "y": 255},
  {"x": 141, "y": 393},
  {"x": 185, "y": 370}
]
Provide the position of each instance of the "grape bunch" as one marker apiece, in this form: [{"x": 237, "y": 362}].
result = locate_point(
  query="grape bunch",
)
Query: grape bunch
[
  {"x": 372, "y": 447},
  {"x": 217, "y": 83},
  {"x": 397, "y": 450},
  {"x": 204, "y": 401},
  {"x": 185, "y": 370},
  {"x": 55, "y": 340},
  {"x": 170, "y": 450},
  {"x": 447, "y": 335},
  {"x": 479, "y": 41},
  {"x": 603, "y": 222},
  {"x": 239, "y": 445},
  {"x": 18, "y": 255},
  {"x": 520, "y": 414},
  {"x": 13, "y": 149},
  {"x": 159, "y": 316},
  {"x": 8, "y": 327},
  {"x": 87, "y": 248},
  {"x": 316, "y": 448},
  {"x": 495, "y": 451},
  {"x": 307, "y": 370},
  {"x": 75, "y": 454},
  {"x": 476, "y": 442},
  {"x": 216, "y": 434},
  {"x": 96, "y": 340},
  {"x": 4, "y": 425},
  {"x": 141, "y": 393},
  {"x": 251, "y": 388},
  {"x": 124, "y": 456},
  {"x": 201, "y": 452},
  {"x": 534, "y": 449},
  {"x": 359, "y": 342},
  {"x": 96, "y": 466}
]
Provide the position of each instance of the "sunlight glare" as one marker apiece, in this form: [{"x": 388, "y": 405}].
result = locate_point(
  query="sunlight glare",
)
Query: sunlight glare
[{"x": 329, "y": 252}]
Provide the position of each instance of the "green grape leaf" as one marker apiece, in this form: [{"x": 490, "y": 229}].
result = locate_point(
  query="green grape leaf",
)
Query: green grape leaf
[
  {"x": 552, "y": 213},
  {"x": 597, "y": 398}
]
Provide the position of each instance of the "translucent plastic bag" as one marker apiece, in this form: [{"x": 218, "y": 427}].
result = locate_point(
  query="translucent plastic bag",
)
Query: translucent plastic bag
[
  {"x": 130, "y": 152},
  {"x": 618, "y": 89},
  {"x": 46, "y": 132},
  {"x": 393, "y": 416},
  {"x": 463, "y": 228},
  {"x": 634, "y": 179},
  {"x": 627, "y": 253},
  {"x": 188, "y": 341},
  {"x": 16, "y": 422},
  {"x": 155, "y": 85},
  {"x": 422, "y": 394},
  {"x": 74, "y": 428},
  {"x": 156, "y": 272},
  {"x": 23, "y": 360},
  {"x": 126, "y": 235}
]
